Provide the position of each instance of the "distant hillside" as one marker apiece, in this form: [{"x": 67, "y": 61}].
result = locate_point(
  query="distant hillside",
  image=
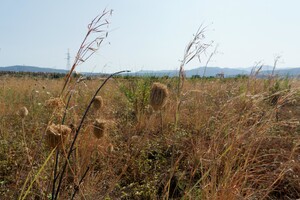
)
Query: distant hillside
[
  {"x": 22, "y": 68},
  {"x": 228, "y": 72},
  {"x": 293, "y": 72},
  {"x": 210, "y": 71}
]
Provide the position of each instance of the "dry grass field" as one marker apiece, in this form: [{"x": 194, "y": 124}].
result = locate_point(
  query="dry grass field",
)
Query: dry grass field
[{"x": 236, "y": 138}]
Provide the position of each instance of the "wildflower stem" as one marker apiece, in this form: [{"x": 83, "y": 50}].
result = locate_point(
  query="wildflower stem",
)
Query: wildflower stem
[
  {"x": 66, "y": 108},
  {"x": 78, "y": 129},
  {"x": 54, "y": 173},
  {"x": 77, "y": 187}
]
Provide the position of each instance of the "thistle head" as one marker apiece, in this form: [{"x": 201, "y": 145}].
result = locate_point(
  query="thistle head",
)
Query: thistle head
[
  {"x": 98, "y": 102},
  {"x": 158, "y": 96},
  {"x": 99, "y": 128},
  {"x": 56, "y": 135},
  {"x": 54, "y": 103},
  {"x": 23, "y": 112}
]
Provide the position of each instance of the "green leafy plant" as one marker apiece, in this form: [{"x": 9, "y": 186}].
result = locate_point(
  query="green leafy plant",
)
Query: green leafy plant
[{"x": 137, "y": 92}]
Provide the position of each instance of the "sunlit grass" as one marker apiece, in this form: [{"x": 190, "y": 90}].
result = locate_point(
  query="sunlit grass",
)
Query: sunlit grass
[{"x": 234, "y": 140}]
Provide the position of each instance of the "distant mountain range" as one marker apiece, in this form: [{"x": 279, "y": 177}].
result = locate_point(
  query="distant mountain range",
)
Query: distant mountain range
[
  {"x": 210, "y": 71},
  {"x": 228, "y": 72},
  {"x": 23, "y": 68}
]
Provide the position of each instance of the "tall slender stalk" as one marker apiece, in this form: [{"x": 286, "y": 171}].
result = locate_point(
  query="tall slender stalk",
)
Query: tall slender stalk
[
  {"x": 276, "y": 59},
  {"x": 193, "y": 50},
  {"x": 78, "y": 130},
  {"x": 55, "y": 176},
  {"x": 209, "y": 59},
  {"x": 81, "y": 180},
  {"x": 89, "y": 44},
  {"x": 54, "y": 173}
]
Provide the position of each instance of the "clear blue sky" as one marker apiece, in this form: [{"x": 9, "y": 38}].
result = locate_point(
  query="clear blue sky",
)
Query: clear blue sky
[{"x": 150, "y": 34}]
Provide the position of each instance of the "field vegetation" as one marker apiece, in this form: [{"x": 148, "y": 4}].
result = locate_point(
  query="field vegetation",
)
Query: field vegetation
[{"x": 236, "y": 138}]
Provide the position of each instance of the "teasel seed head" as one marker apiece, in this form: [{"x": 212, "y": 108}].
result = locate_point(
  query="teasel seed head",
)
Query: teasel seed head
[
  {"x": 23, "y": 112},
  {"x": 98, "y": 102},
  {"x": 158, "y": 96},
  {"x": 54, "y": 103},
  {"x": 56, "y": 135},
  {"x": 99, "y": 128}
]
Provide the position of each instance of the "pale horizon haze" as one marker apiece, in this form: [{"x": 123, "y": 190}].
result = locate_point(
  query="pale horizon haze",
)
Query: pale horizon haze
[{"x": 150, "y": 35}]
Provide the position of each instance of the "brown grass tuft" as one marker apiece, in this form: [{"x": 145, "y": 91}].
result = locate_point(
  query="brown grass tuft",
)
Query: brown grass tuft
[
  {"x": 56, "y": 135},
  {"x": 158, "y": 96},
  {"x": 99, "y": 128}
]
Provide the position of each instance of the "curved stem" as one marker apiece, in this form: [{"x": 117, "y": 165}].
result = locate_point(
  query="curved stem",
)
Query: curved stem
[{"x": 78, "y": 130}]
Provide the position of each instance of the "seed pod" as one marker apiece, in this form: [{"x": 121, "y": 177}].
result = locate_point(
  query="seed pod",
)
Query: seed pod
[
  {"x": 23, "y": 112},
  {"x": 158, "y": 96},
  {"x": 99, "y": 128},
  {"x": 54, "y": 103},
  {"x": 98, "y": 102},
  {"x": 110, "y": 148},
  {"x": 56, "y": 135},
  {"x": 73, "y": 127}
]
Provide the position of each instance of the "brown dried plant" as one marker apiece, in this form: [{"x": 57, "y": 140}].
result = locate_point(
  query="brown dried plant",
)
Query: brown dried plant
[
  {"x": 90, "y": 43},
  {"x": 56, "y": 135},
  {"x": 195, "y": 48},
  {"x": 99, "y": 128},
  {"x": 54, "y": 103},
  {"x": 23, "y": 112},
  {"x": 97, "y": 32},
  {"x": 98, "y": 103},
  {"x": 158, "y": 96}
]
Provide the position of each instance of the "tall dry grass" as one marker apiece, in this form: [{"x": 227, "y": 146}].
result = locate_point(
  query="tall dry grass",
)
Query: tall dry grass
[{"x": 233, "y": 141}]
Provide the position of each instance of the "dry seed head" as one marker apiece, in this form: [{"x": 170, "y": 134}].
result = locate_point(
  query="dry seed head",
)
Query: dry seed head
[
  {"x": 54, "y": 103},
  {"x": 23, "y": 112},
  {"x": 158, "y": 96},
  {"x": 73, "y": 127},
  {"x": 135, "y": 139},
  {"x": 110, "y": 148},
  {"x": 99, "y": 128},
  {"x": 98, "y": 102},
  {"x": 56, "y": 134}
]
